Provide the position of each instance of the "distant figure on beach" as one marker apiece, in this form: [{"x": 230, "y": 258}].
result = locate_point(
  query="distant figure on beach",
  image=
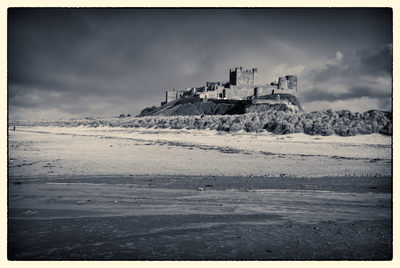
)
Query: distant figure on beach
[{"x": 14, "y": 128}]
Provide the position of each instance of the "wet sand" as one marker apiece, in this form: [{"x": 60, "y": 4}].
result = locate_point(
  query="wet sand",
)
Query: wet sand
[{"x": 199, "y": 218}]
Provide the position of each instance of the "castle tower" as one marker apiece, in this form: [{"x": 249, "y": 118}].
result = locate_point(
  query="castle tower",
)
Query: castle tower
[
  {"x": 170, "y": 95},
  {"x": 238, "y": 76},
  {"x": 292, "y": 82},
  {"x": 255, "y": 70},
  {"x": 234, "y": 74},
  {"x": 282, "y": 83}
]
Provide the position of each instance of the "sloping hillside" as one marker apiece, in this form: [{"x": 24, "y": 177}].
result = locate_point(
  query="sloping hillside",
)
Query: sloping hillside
[{"x": 196, "y": 106}]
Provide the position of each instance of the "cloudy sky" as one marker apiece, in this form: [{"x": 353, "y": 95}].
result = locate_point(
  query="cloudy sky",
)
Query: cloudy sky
[{"x": 103, "y": 62}]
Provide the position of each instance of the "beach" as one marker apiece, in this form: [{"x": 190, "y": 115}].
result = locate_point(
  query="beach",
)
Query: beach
[{"x": 159, "y": 194}]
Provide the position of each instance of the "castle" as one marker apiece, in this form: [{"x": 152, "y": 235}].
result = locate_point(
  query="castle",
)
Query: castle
[{"x": 242, "y": 85}]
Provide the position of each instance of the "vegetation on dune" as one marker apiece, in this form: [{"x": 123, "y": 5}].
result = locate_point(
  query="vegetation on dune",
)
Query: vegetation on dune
[{"x": 273, "y": 118}]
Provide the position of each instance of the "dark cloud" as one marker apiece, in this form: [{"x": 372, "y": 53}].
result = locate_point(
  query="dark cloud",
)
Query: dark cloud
[
  {"x": 74, "y": 60},
  {"x": 357, "y": 92},
  {"x": 374, "y": 62}
]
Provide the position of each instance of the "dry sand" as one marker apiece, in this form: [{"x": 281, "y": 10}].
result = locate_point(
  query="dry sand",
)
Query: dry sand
[{"x": 117, "y": 151}]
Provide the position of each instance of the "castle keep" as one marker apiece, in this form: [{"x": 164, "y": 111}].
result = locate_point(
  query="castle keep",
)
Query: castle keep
[
  {"x": 238, "y": 76},
  {"x": 242, "y": 85}
]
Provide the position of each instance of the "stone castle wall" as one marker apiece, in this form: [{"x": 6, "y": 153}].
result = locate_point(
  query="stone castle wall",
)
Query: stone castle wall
[{"x": 242, "y": 85}]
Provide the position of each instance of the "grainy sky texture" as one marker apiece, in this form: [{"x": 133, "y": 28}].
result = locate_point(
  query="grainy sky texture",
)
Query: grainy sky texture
[{"x": 103, "y": 62}]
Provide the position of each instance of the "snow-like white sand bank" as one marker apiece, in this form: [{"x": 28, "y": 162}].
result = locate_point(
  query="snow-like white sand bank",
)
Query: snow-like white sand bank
[{"x": 135, "y": 151}]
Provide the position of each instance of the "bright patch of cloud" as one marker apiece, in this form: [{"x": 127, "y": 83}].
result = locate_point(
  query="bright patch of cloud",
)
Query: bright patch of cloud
[
  {"x": 356, "y": 80},
  {"x": 339, "y": 56}
]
